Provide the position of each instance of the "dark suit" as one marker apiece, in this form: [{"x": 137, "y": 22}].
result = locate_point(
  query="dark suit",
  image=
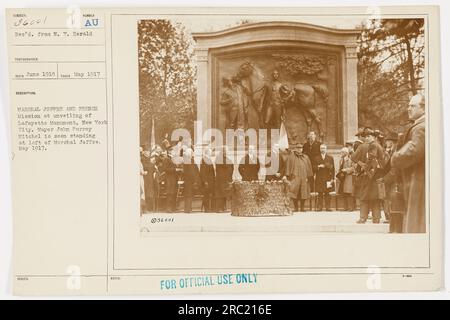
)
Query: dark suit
[
  {"x": 171, "y": 184},
  {"x": 151, "y": 183},
  {"x": 224, "y": 176},
  {"x": 249, "y": 169},
  {"x": 207, "y": 178},
  {"x": 312, "y": 151},
  {"x": 323, "y": 175},
  {"x": 394, "y": 196},
  {"x": 271, "y": 173},
  {"x": 191, "y": 178}
]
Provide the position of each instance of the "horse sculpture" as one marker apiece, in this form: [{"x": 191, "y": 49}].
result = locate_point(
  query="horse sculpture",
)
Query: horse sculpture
[
  {"x": 303, "y": 97},
  {"x": 257, "y": 89}
]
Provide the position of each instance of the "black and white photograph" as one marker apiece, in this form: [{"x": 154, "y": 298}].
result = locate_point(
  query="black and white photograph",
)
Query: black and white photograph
[
  {"x": 308, "y": 126},
  {"x": 226, "y": 150}
]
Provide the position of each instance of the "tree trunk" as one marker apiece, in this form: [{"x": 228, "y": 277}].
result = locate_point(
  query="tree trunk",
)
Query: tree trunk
[{"x": 410, "y": 63}]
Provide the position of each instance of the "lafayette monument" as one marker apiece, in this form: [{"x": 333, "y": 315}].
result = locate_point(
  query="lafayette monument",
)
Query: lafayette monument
[{"x": 260, "y": 75}]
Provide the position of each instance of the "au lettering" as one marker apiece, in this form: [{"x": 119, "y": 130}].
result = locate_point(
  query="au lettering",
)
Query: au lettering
[{"x": 91, "y": 23}]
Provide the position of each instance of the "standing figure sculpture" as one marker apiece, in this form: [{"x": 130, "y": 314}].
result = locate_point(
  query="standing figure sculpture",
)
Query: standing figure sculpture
[
  {"x": 303, "y": 96},
  {"x": 233, "y": 103},
  {"x": 254, "y": 86},
  {"x": 274, "y": 105}
]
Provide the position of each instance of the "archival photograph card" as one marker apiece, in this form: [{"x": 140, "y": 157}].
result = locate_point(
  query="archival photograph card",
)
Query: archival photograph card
[{"x": 226, "y": 150}]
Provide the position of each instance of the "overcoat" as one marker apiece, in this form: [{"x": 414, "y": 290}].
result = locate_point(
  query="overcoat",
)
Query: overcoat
[
  {"x": 207, "y": 177},
  {"x": 224, "y": 176},
  {"x": 348, "y": 167},
  {"x": 298, "y": 169},
  {"x": 191, "y": 176},
  {"x": 151, "y": 179},
  {"x": 323, "y": 174},
  {"x": 410, "y": 160},
  {"x": 366, "y": 186},
  {"x": 170, "y": 176},
  {"x": 249, "y": 169}
]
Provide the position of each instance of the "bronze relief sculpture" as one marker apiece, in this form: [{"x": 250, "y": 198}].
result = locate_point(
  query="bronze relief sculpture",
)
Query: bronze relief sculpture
[{"x": 258, "y": 99}]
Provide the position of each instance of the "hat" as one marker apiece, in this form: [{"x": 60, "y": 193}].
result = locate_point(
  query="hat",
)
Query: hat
[
  {"x": 378, "y": 133},
  {"x": 369, "y": 132},
  {"x": 360, "y": 132},
  {"x": 392, "y": 136}
]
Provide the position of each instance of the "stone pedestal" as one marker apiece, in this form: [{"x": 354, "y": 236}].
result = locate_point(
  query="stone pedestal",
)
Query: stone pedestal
[{"x": 259, "y": 199}]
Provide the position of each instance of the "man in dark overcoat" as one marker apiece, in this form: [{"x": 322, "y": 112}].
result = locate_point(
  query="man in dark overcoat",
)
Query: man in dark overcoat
[
  {"x": 297, "y": 172},
  {"x": 249, "y": 166},
  {"x": 324, "y": 180},
  {"x": 191, "y": 178},
  {"x": 170, "y": 176},
  {"x": 151, "y": 181},
  {"x": 410, "y": 160},
  {"x": 312, "y": 149},
  {"x": 224, "y": 177},
  {"x": 207, "y": 178}
]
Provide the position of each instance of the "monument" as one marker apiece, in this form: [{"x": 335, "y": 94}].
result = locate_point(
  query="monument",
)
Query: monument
[{"x": 259, "y": 75}]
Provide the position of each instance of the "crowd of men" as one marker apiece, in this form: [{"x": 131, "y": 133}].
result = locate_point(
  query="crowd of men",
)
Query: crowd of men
[{"x": 378, "y": 172}]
